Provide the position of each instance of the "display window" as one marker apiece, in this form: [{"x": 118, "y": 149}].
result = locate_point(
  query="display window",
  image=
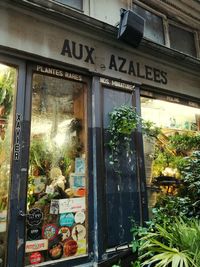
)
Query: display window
[
  {"x": 179, "y": 137},
  {"x": 56, "y": 224},
  {"x": 8, "y": 83}
]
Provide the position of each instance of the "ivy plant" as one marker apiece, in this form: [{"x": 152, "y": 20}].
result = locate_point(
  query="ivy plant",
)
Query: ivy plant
[{"x": 124, "y": 120}]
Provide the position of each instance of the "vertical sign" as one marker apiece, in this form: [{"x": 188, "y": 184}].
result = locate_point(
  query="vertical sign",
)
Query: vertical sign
[{"x": 17, "y": 138}]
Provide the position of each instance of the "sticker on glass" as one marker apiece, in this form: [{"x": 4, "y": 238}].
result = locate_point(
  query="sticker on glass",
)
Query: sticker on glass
[
  {"x": 71, "y": 205},
  {"x": 80, "y": 217},
  {"x": 78, "y": 232},
  {"x": 49, "y": 231},
  {"x": 55, "y": 251},
  {"x": 70, "y": 248},
  {"x": 80, "y": 165},
  {"x": 35, "y": 216},
  {"x": 82, "y": 247},
  {"x": 65, "y": 231},
  {"x": 77, "y": 180},
  {"x": 54, "y": 208},
  {"x": 35, "y": 258},
  {"x": 34, "y": 233},
  {"x": 67, "y": 219},
  {"x": 36, "y": 245}
]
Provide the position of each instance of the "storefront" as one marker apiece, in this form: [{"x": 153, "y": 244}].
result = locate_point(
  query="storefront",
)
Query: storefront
[{"x": 61, "y": 203}]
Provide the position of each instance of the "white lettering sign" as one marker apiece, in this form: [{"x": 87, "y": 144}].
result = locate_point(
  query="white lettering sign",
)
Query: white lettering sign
[{"x": 71, "y": 205}]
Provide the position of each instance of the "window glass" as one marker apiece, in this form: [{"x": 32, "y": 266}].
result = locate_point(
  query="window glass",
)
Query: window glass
[
  {"x": 56, "y": 201},
  {"x": 8, "y": 78},
  {"x": 163, "y": 155},
  {"x": 122, "y": 197},
  {"x": 182, "y": 40},
  {"x": 153, "y": 28},
  {"x": 76, "y": 4}
]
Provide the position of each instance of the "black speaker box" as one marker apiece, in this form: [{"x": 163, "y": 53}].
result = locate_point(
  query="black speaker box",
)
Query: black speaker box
[{"x": 131, "y": 28}]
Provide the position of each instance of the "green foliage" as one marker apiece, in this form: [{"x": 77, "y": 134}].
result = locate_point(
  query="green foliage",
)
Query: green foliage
[
  {"x": 137, "y": 232},
  {"x": 172, "y": 237},
  {"x": 172, "y": 151},
  {"x": 136, "y": 264},
  {"x": 168, "y": 207},
  {"x": 7, "y": 83},
  {"x": 186, "y": 202},
  {"x": 174, "y": 245},
  {"x": 123, "y": 122},
  {"x": 191, "y": 183},
  {"x": 164, "y": 159},
  {"x": 185, "y": 142},
  {"x": 40, "y": 154}
]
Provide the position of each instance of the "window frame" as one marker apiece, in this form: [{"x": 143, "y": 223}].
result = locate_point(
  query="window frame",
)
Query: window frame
[
  {"x": 166, "y": 21},
  {"x": 157, "y": 13},
  {"x": 188, "y": 29},
  {"x": 69, "y": 6}
]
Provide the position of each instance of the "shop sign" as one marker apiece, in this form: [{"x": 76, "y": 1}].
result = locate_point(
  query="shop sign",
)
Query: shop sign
[
  {"x": 71, "y": 205},
  {"x": 173, "y": 99},
  {"x": 59, "y": 73},
  {"x": 115, "y": 83},
  {"x": 17, "y": 138},
  {"x": 194, "y": 105},
  {"x": 36, "y": 245},
  {"x": 78, "y": 51},
  {"x": 116, "y": 62}
]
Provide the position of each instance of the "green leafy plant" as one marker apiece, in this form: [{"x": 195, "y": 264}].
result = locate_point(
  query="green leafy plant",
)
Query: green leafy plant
[
  {"x": 123, "y": 122},
  {"x": 186, "y": 201},
  {"x": 172, "y": 245},
  {"x": 136, "y": 264},
  {"x": 40, "y": 155},
  {"x": 185, "y": 142},
  {"x": 191, "y": 183}
]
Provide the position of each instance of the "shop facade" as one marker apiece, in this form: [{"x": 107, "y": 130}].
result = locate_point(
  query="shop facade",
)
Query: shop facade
[{"x": 61, "y": 203}]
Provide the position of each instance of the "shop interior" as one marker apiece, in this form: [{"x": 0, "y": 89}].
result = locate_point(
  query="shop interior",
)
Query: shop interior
[{"x": 179, "y": 136}]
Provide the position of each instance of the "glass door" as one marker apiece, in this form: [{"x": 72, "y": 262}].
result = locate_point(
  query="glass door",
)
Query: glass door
[
  {"x": 8, "y": 83},
  {"x": 56, "y": 218}
]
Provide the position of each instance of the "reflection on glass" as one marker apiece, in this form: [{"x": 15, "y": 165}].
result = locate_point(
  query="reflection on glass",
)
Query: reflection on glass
[
  {"x": 182, "y": 40},
  {"x": 153, "y": 28},
  {"x": 56, "y": 225},
  {"x": 8, "y": 77}
]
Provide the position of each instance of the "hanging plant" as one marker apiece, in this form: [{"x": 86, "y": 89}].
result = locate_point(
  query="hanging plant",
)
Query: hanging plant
[{"x": 123, "y": 122}]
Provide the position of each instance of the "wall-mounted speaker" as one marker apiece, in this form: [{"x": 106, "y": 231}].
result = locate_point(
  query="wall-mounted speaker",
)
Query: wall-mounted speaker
[{"x": 131, "y": 28}]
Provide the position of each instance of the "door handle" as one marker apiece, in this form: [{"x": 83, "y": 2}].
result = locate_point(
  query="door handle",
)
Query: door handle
[{"x": 22, "y": 214}]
